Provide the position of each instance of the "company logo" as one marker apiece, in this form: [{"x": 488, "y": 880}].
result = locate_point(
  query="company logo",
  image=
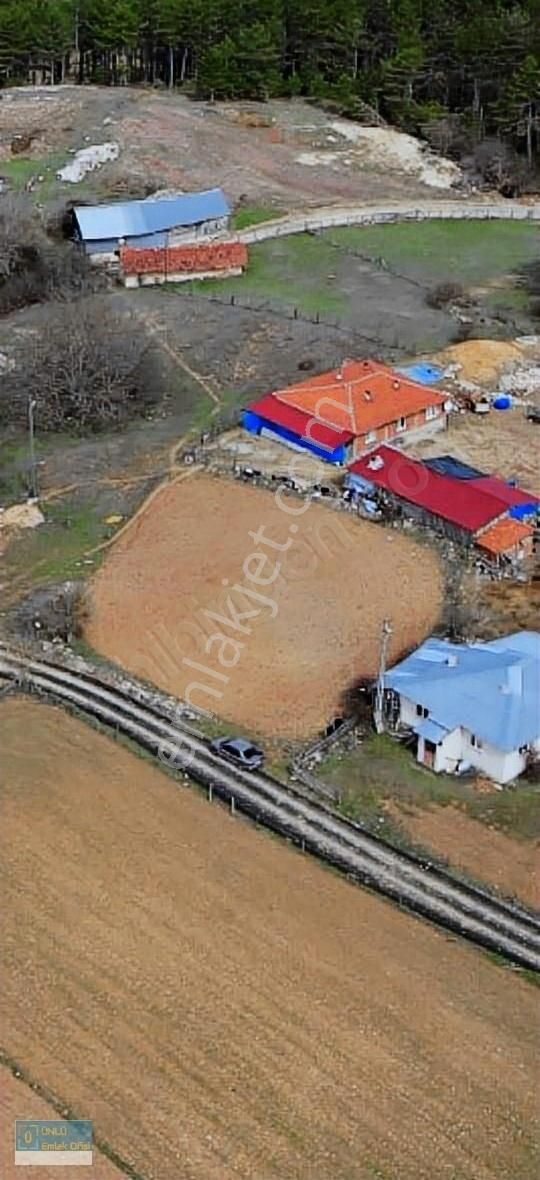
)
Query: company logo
[{"x": 53, "y": 1141}]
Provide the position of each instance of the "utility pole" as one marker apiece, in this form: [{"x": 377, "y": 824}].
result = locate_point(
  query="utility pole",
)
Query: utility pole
[
  {"x": 33, "y": 477},
  {"x": 378, "y": 713}
]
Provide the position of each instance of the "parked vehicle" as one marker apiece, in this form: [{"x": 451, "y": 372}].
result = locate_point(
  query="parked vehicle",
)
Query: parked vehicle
[
  {"x": 238, "y": 750},
  {"x": 533, "y": 414}
]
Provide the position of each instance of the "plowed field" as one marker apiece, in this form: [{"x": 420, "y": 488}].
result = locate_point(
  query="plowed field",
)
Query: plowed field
[
  {"x": 311, "y": 607},
  {"x": 222, "y": 1006}
]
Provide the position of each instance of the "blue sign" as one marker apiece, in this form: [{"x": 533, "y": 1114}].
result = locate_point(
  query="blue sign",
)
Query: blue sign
[{"x": 50, "y": 1138}]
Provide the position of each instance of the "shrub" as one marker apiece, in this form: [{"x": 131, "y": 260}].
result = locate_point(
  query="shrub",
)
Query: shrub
[{"x": 445, "y": 293}]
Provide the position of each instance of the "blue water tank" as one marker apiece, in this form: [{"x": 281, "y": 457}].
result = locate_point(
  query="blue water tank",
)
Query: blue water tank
[{"x": 503, "y": 401}]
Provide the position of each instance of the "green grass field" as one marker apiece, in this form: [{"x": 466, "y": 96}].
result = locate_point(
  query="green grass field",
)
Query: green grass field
[
  {"x": 466, "y": 251},
  {"x": 319, "y": 273},
  {"x": 382, "y": 769}
]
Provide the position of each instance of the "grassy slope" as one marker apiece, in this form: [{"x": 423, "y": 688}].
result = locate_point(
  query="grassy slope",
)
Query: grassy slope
[
  {"x": 466, "y": 251},
  {"x": 382, "y": 769}
]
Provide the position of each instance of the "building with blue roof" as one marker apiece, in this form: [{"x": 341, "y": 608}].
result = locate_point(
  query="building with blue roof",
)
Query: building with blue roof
[
  {"x": 471, "y": 705},
  {"x": 157, "y": 221}
]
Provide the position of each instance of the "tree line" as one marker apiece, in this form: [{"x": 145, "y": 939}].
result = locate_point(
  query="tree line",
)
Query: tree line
[{"x": 451, "y": 66}]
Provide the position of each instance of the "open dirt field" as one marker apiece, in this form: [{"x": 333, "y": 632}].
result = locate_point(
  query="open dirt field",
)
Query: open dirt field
[
  {"x": 512, "y": 865},
  {"x": 282, "y": 153},
  {"x": 312, "y": 631},
  {"x": 222, "y": 1006},
  {"x": 19, "y": 1101},
  {"x": 499, "y": 443}
]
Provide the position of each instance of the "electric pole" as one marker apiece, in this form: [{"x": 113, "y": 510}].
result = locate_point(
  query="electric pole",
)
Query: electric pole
[
  {"x": 33, "y": 476},
  {"x": 378, "y": 713}
]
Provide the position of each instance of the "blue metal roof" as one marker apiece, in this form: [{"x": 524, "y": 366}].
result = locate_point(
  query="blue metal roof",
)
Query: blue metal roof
[
  {"x": 491, "y": 689},
  {"x": 134, "y": 219},
  {"x": 431, "y": 730},
  {"x": 448, "y": 465}
]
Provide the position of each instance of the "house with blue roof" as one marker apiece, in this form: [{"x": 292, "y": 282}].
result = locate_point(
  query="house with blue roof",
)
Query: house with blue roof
[
  {"x": 156, "y": 221},
  {"x": 470, "y": 705}
]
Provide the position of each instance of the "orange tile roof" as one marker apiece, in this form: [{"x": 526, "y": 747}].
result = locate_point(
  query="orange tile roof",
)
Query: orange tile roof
[
  {"x": 360, "y": 396},
  {"x": 503, "y": 535}
]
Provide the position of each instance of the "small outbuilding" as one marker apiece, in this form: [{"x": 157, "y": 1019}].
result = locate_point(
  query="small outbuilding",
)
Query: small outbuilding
[{"x": 154, "y": 222}]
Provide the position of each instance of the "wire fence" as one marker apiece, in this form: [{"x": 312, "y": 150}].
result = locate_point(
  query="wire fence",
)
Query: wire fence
[{"x": 292, "y": 313}]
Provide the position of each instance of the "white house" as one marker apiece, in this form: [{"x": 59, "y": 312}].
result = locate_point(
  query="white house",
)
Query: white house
[{"x": 471, "y": 705}]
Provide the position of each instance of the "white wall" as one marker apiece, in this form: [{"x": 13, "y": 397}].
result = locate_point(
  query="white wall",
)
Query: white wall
[{"x": 457, "y": 747}]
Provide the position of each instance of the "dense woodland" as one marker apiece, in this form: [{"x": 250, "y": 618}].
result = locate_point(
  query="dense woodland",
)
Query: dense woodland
[{"x": 455, "y": 67}]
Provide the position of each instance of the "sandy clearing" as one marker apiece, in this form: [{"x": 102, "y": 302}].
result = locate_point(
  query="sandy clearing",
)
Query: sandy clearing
[
  {"x": 510, "y": 864},
  {"x": 499, "y": 443},
  {"x": 19, "y": 1101},
  {"x": 315, "y": 630},
  {"x": 222, "y": 1006}
]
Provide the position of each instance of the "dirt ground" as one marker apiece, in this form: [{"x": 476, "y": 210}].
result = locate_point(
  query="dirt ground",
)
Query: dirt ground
[
  {"x": 19, "y": 1101},
  {"x": 168, "y": 141},
  {"x": 221, "y": 1006},
  {"x": 499, "y": 443},
  {"x": 315, "y": 626},
  {"x": 512, "y": 865}
]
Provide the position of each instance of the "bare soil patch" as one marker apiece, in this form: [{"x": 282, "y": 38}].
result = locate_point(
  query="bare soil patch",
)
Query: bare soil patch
[
  {"x": 499, "y": 443},
  {"x": 314, "y": 630},
  {"x": 221, "y": 1006},
  {"x": 512, "y": 865}
]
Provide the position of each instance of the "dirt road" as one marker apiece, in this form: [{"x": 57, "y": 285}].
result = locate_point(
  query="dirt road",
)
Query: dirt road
[{"x": 222, "y": 1006}]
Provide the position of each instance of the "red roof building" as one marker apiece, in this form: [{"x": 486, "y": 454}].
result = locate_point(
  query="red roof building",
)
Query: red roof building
[
  {"x": 457, "y": 501},
  {"x": 364, "y": 402},
  {"x": 470, "y": 510}
]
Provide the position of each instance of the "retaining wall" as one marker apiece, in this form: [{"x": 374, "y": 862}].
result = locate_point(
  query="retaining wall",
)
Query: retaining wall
[{"x": 343, "y": 215}]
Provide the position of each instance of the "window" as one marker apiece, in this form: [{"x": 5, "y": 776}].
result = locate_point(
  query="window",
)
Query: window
[
  {"x": 371, "y": 437},
  {"x": 476, "y": 742},
  {"x": 431, "y": 412},
  {"x": 421, "y": 711},
  {"x": 401, "y": 424}
]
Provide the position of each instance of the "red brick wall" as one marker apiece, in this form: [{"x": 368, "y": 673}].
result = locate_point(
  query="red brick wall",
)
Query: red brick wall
[{"x": 194, "y": 256}]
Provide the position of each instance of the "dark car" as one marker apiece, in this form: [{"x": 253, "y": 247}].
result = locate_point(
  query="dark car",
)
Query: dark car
[{"x": 239, "y": 751}]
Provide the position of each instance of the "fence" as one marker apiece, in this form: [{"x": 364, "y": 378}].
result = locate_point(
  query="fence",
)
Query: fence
[{"x": 290, "y": 312}]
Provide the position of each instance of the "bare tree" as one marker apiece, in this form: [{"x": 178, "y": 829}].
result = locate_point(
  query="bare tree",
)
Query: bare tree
[
  {"x": 86, "y": 369},
  {"x": 33, "y": 267}
]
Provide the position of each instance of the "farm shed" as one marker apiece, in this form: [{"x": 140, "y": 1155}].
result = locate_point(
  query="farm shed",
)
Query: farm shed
[
  {"x": 156, "y": 221},
  {"x": 451, "y": 497},
  {"x": 147, "y": 265},
  {"x": 521, "y": 504},
  {"x": 449, "y": 505},
  {"x": 470, "y": 705},
  {"x": 362, "y": 402}
]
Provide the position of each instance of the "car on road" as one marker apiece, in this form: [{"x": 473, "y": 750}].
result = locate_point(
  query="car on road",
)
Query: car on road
[{"x": 238, "y": 750}]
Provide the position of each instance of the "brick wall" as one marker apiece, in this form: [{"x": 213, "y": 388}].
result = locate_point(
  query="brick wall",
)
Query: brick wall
[{"x": 194, "y": 257}]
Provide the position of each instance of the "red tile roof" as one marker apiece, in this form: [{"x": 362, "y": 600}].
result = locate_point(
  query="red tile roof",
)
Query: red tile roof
[
  {"x": 193, "y": 256},
  {"x": 304, "y": 425},
  {"x": 358, "y": 397},
  {"x": 455, "y": 500},
  {"x": 504, "y": 535}
]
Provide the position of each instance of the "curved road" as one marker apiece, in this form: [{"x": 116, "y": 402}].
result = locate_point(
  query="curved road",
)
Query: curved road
[
  {"x": 333, "y": 216},
  {"x": 498, "y": 925}
]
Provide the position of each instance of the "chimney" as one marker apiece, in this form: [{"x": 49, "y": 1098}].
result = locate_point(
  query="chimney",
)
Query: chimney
[{"x": 451, "y": 660}]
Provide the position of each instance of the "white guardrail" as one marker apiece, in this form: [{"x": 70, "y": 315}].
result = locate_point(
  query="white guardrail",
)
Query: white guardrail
[{"x": 335, "y": 216}]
